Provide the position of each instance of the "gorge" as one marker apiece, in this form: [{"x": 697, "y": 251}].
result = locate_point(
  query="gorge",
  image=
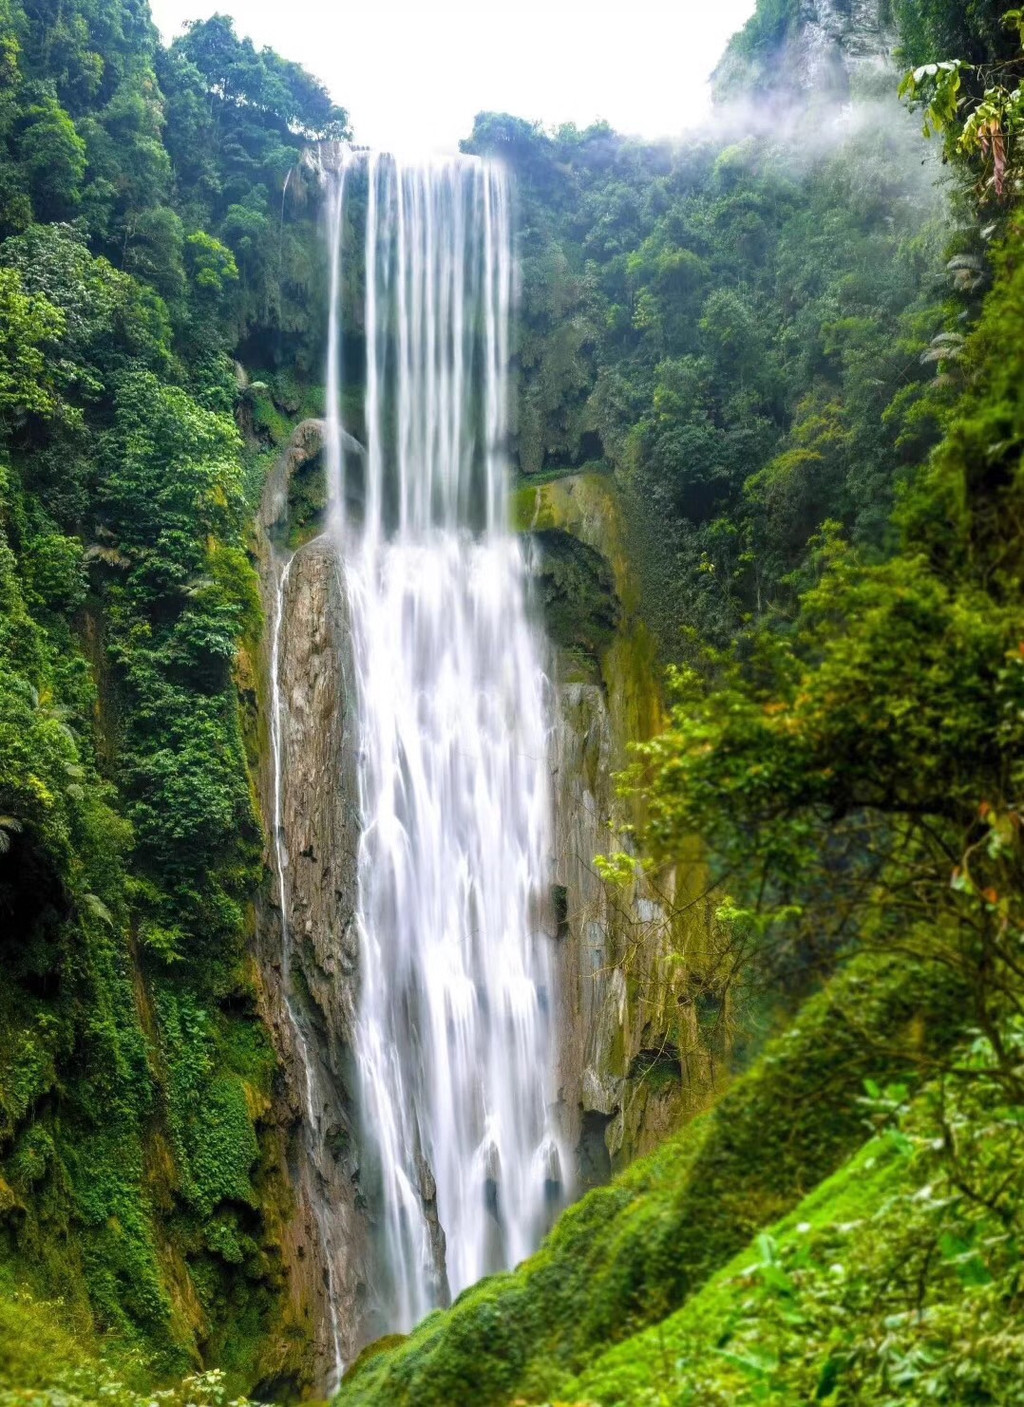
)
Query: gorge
[{"x": 449, "y": 749}]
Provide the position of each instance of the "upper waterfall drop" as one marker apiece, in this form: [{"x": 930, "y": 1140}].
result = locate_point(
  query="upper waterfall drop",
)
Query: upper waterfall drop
[{"x": 454, "y": 1047}]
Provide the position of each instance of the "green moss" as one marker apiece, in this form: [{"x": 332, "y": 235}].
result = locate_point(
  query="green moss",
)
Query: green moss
[
  {"x": 35, "y": 1348},
  {"x": 44, "y": 1364},
  {"x": 590, "y": 593},
  {"x": 626, "y": 1373},
  {"x": 586, "y": 505},
  {"x": 897, "y": 1279},
  {"x": 272, "y": 425},
  {"x": 294, "y": 397},
  {"x": 307, "y": 501}
]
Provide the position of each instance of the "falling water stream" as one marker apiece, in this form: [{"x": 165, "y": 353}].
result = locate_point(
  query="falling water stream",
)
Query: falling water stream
[{"x": 462, "y": 1160}]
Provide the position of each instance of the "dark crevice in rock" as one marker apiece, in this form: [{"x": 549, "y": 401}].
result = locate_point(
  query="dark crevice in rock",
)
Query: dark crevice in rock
[
  {"x": 576, "y": 589},
  {"x": 560, "y": 909},
  {"x": 661, "y": 1063},
  {"x": 593, "y": 1161}
]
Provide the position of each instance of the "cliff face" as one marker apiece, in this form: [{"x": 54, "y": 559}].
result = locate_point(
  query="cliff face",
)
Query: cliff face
[
  {"x": 850, "y": 31},
  {"x": 306, "y": 944},
  {"x": 642, "y": 1030},
  {"x": 808, "y": 48},
  {"x": 633, "y": 1062}
]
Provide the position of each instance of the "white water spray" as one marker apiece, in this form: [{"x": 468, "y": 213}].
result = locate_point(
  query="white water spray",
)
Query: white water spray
[{"x": 453, "y": 1041}]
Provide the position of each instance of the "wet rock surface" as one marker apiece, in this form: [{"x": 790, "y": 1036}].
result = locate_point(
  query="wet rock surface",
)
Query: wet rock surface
[
  {"x": 633, "y": 1062},
  {"x": 305, "y": 939},
  {"x": 633, "y": 1059}
]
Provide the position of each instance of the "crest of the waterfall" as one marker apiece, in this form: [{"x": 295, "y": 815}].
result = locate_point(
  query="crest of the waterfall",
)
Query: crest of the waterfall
[{"x": 454, "y": 1047}]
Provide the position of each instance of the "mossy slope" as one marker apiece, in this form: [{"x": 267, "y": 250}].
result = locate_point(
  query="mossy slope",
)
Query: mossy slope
[
  {"x": 630, "y": 1254},
  {"x": 896, "y": 1280}
]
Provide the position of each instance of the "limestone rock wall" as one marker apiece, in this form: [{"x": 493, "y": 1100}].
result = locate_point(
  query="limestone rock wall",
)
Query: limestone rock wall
[
  {"x": 827, "y": 44},
  {"x": 305, "y": 939},
  {"x": 642, "y": 1041},
  {"x": 832, "y": 40},
  {"x": 632, "y": 1061}
]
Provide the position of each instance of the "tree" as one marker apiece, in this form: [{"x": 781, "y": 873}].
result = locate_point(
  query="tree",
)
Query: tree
[
  {"x": 53, "y": 157},
  {"x": 28, "y": 323},
  {"x": 240, "y": 77}
]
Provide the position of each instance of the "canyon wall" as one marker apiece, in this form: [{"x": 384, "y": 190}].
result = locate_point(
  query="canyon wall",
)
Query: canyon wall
[
  {"x": 306, "y": 943},
  {"x": 643, "y": 1030}
]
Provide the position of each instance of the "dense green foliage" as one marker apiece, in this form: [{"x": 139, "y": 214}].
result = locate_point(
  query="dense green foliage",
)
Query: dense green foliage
[
  {"x": 144, "y": 195},
  {"x": 804, "y": 378},
  {"x": 628, "y": 1254},
  {"x": 897, "y": 1280},
  {"x": 931, "y": 30},
  {"x": 736, "y": 328}
]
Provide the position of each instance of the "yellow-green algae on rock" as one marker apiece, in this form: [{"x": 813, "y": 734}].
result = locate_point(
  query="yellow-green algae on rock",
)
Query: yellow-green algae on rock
[
  {"x": 586, "y": 506},
  {"x": 637, "y": 1057}
]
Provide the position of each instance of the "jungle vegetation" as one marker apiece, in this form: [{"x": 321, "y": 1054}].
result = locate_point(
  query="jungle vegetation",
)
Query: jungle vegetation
[
  {"x": 144, "y": 249},
  {"x": 799, "y": 359}
]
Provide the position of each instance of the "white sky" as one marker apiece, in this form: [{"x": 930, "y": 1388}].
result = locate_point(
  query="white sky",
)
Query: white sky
[{"x": 413, "y": 76}]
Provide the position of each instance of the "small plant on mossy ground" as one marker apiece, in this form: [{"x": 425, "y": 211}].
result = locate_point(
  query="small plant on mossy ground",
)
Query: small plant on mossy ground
[{"x": 93, "y": 1385}]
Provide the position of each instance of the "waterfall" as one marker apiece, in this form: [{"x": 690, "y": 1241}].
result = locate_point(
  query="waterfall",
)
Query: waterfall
[{"x": 461, "y": 1158}]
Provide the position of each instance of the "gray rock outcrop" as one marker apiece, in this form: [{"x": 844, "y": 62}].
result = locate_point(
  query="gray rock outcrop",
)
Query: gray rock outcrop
[
  {"x": 824, "y": 47},
  {"x": 641, "y": 1037},
  {"x": 305, "y": 936}
]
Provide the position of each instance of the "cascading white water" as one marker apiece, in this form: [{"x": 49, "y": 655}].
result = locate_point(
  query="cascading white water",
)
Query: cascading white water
[{"x": 454, "y": 1048}]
